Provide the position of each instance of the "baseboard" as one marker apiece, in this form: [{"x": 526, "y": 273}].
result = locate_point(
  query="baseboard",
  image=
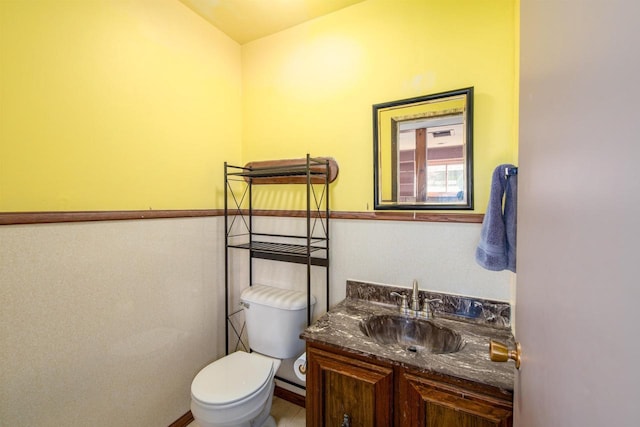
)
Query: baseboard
[
  {"x": 289, "y": 396},
  {"x": 183, "y": 421}
]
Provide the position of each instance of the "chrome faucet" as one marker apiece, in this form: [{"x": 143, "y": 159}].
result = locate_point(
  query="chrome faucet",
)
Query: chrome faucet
[
  {"x": 415, "y": 309},
  {"x": 415, "y": 298}
]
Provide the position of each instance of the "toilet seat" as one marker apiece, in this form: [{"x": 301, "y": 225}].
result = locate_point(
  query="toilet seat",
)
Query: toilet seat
[{"x": 232, "y": 379}]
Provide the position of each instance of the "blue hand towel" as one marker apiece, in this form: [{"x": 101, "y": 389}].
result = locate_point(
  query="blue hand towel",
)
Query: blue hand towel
[
  {"x": 497, "y": 248},
  {"x": 511, "y": 219}
]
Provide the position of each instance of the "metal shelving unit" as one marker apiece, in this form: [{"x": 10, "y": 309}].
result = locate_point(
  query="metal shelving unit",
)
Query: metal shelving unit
[{"x": 310, "y": 249}]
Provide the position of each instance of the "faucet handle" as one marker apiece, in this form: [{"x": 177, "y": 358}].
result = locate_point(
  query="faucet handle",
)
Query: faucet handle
[
  {"x": 404, "y": 302},
  {"x": 427, "y": 312}
]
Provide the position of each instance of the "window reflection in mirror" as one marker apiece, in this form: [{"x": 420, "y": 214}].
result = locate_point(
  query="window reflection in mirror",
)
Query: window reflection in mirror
[{"x": 423, "y": 152}]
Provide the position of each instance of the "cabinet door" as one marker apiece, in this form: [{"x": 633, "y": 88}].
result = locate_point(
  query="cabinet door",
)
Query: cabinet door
[
  {"x": 338, "y": 385},
  {"x": 424, "y": 403}
]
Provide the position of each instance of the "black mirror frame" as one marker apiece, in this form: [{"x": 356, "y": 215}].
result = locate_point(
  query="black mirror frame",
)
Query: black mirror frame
[{"x": 469, "y": 153}]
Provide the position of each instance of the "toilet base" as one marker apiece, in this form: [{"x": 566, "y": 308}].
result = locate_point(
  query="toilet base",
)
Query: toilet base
[
  {"x": 262, "y": 419},
  {"x": 269, "y": 422}
]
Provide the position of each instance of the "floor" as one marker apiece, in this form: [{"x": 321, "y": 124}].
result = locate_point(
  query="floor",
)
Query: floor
[{"x": 285, "y": 413}]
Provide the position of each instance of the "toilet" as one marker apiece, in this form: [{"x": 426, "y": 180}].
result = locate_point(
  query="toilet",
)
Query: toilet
[{"x": 237, "y": 389}]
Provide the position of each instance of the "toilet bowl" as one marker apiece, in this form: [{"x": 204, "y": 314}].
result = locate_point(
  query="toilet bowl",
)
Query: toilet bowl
[{"x": 235, "y": 390}]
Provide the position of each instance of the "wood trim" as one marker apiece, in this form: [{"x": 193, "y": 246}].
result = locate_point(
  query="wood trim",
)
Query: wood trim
[
  {"x": 16, "y": 218},
  {"x": 183, "y": 421},
  {"x": 289, "y": 396},
  {"x": 417, "y": 216},
  {"x": 13, "y": 218},
  {"x": 383, "y": 215}
]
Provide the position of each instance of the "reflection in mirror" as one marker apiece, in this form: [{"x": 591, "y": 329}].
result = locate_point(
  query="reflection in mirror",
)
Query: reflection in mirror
[{"x": 423, "y": 152}]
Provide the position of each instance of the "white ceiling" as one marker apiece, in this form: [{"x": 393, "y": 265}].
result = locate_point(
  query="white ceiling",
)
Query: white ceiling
[{"x": 248, "y": 20}]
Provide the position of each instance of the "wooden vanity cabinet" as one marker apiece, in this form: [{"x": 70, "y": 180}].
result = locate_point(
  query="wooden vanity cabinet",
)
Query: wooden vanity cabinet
[
  {"x": 375, "y": 393},
  {"x": 340, "y": 386},
  {"x": 424, "y": 401}
]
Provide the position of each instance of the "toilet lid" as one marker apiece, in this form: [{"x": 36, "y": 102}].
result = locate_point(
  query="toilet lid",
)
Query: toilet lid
[{"x": 232, "y": 378}]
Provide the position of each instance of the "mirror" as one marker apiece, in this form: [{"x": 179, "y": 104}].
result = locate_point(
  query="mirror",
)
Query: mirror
[{"x": 423, "y": 152}]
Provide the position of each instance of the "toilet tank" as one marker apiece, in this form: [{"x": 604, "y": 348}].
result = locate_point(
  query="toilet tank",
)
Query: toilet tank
[{"x": 275, "y": 318}]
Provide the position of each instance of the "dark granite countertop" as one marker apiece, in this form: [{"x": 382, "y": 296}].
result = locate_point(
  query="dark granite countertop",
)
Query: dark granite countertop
[{"x": 340, "y": 327}]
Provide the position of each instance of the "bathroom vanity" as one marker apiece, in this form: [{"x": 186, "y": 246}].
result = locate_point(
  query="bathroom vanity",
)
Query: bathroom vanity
[{"x": 358, "y": 380}]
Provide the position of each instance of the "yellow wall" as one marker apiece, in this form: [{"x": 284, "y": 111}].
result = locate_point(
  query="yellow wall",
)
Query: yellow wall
[
  {"x": 134, "y": 104},
  {"x": 108, "y": 105},
  {"x": 311, "y": 88}
]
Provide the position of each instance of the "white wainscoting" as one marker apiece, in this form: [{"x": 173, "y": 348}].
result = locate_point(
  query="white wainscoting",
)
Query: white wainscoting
[{"x": 106, "y": 323}]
